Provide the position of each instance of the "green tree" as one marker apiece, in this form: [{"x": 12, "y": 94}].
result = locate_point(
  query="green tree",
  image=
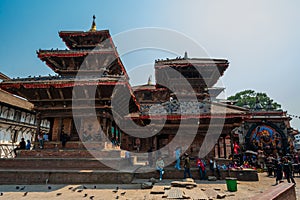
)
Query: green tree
[{"x": 250, "y": 97}]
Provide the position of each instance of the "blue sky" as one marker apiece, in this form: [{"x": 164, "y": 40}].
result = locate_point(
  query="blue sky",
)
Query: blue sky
[{"x": 261, "y": 39}]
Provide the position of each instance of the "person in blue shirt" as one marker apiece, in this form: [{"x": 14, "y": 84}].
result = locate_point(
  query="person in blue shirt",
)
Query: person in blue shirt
[
  {"x": 28, "y": 145},
  {"x": 177, "y": 156}
]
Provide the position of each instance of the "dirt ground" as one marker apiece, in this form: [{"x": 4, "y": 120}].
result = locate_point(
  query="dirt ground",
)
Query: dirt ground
[{"x": 132, "y": 191}]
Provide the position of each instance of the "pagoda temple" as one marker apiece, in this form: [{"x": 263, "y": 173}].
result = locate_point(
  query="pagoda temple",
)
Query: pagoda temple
[
  {"x": 91, "y": 102},
  {"x": 185, "y": 93},
  {"x": 85, "y": 100},
  {"x": 91, "y": 65}
]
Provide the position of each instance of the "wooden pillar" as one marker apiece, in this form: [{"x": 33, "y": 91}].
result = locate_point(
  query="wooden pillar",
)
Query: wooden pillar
[
  {"x": 56, "y": 129},
  {"x": 231, "y": 143},
  {"x": 155, "y": 143},
  {"x": 219, "y": 150},
  {"x": 38, "y": 125},
  {"x": 224, "y": 146},
  {"x": 60, "y": 128},
  {"x": 51, "y": 120},
  {"x": 107, "y": 128},
  {"x": 120, "y": 139},
  {"x": 103, "y": 123},
  {"x": 115, "y": 131}
]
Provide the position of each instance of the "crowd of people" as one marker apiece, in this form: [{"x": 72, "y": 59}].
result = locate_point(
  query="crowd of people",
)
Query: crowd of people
[
  {"x": 278, "y": 167},
  {"x": 42, "y": 137},
  {"x": 283, "y": 166},
  {"x": 187, "y": 162}
]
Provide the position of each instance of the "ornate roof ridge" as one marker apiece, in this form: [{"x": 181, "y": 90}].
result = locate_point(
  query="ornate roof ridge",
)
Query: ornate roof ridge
[
  {"x": 83, "y": 32},
  {"x": 187, "y": 60}
]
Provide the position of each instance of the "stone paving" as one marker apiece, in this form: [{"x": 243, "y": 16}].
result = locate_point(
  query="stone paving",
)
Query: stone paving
[{"x": 203, "y": 190}]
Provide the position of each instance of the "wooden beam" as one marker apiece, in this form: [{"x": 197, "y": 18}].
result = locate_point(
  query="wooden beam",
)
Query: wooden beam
[
  {"x": 74, "y": 94},
  {"x": 21, "y": 94},
  {"x": 48, "y": 93},
  {"x": 37, "y": 95},
  {"x": 73, "y": 107},
  {"x": 53, "y": 62},
  {"x": 61, "y": 94},
  {"x": 86, "y": 64},
  {"x": 62, "y": 100},
  {"x": 63, "y": 63},
  {"x": 98, "y": 92},
  {"x": 86, "y": 93},
  {"x": 73, "y": 64}
]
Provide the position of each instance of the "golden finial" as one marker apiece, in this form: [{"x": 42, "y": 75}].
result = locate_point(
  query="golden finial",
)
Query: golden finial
[
  {"x": 93, "y": 28},
  {"x": 185, "y": 55}
]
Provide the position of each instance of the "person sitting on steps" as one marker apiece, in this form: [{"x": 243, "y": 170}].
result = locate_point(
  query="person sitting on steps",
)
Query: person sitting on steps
[{"x": 22, "y": 145}]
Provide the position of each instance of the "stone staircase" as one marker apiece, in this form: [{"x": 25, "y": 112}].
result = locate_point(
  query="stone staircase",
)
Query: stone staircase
[{"x": 77, "y": 162}]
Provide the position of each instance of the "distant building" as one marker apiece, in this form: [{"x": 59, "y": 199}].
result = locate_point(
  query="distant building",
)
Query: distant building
[
  {"x": 268, "y": 130},
  {"x": 297, "y": 141},
  {"x": 17, "y": 120}
]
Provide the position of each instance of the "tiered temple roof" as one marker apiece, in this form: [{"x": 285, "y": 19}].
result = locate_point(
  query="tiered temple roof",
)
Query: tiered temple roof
[
  {"x": 199, "y": 73},
  {"x": 91, "y": 61},
  {"x": 91, "y": 73},
  {"x": 87, "y": 40}
]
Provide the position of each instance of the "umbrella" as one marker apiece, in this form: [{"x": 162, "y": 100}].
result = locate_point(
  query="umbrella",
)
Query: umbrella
[{"x": 251, "y": 152}]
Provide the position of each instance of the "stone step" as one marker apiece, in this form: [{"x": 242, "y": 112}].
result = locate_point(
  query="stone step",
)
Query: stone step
[
  {"x": 61, "y": 163},
  {"x": 30, "y": 177},
  {"x": 73, "y": 145},
  {"x": 69, "y": 153},
  {"x": 171, "y": 173}
]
